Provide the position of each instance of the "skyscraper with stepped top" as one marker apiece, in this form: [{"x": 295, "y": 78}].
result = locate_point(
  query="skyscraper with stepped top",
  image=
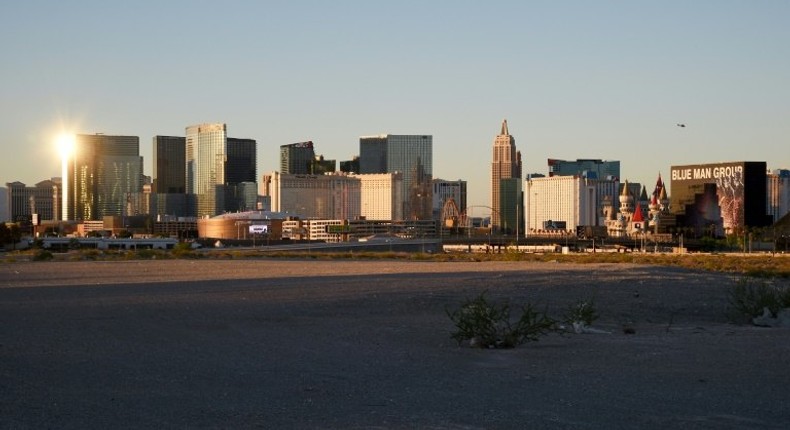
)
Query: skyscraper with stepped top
[{"x": 505, "y": 166}]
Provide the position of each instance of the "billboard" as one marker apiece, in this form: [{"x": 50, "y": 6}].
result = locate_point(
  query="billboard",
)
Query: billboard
[
  {"x": 732, "y": 194},
  {"x": 259, "y": 229}
]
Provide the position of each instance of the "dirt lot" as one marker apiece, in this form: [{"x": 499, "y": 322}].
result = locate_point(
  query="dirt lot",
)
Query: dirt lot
[{"x": 365, "y": 344}]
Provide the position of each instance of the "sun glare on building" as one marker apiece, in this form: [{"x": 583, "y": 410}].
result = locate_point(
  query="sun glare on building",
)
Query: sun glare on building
[{"x": 65, "y": 143}]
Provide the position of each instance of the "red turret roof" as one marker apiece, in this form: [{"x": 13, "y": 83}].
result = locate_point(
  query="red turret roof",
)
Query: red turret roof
[
  {"x": 637, "y": 214},
  {"x": 659, "y": 185}
]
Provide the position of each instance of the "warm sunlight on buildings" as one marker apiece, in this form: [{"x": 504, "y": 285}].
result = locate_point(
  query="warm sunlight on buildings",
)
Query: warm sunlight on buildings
[{"x": 65, "y": 143}]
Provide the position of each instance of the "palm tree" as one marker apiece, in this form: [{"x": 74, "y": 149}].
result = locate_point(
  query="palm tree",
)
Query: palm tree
[
  {"x": 15, "y": 235},
  {"x": 5, "y": 234}
]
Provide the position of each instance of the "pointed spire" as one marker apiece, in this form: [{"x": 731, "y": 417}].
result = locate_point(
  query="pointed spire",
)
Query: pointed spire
[
  {"x": 643, "y": 196},
  {"x": 504, "y": 131},
  {"x": 625, "y": 189},
  {"x": 663, "y": 194},
  {"x": 659, "y": 184},
  {"x": 638, "y": 214},
  {"x": 653, "y": 206}
]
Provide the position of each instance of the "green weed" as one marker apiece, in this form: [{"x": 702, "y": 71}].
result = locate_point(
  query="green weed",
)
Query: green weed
[{"x": 487, "y": 325}]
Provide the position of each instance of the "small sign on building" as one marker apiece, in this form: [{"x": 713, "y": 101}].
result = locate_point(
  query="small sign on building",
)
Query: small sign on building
[{"x": 259, "y": 229}]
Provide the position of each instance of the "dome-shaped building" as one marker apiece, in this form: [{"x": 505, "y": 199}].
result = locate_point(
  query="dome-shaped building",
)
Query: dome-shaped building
[{"x": 243, "y": 225}]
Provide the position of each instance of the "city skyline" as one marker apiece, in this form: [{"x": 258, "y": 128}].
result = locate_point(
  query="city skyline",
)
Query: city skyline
[{"x": 575, "y": 80}]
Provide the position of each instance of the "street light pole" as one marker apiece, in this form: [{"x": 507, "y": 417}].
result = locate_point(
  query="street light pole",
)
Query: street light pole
[
  {"x": 535, "y": 213},
  {"x": 441, "y": 219},
  {"x": 517, "y": 223}
]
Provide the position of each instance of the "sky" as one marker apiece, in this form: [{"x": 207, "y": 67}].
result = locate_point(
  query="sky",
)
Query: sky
[{"x": 574, "y": 79}]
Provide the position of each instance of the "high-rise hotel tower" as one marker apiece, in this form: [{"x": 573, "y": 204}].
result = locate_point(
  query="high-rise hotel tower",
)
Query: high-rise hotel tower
[
  {"x": 206, "y": 173},
  {"x": 506, "y": 164},
  {"x": 169, "y": 176},
  {"x": 100, "y": 175},
  {"x": 206, "y": 154},
  {"x": 410, "y": 155}
]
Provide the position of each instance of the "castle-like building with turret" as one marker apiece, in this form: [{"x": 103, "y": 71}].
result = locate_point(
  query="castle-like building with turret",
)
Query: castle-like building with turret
[{"x": 638, "y": 216}]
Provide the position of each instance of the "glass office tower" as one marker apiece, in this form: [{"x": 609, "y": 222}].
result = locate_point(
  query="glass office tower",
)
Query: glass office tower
[
  {"x": 411, "y": 155},
  {"x": 101, "y": 174},
  {"x": 169, "y": 164},
  {"x": 169, "y": 175},
  {"x": 586, "y": 168},
  {"x": 240, "y": 171},
  {"x": 206, "y": 154},
  {"x": 295, "y": 158}
]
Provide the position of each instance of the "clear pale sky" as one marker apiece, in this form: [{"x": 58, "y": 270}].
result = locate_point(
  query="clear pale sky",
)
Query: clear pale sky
[{"x": 575, "y": 79}]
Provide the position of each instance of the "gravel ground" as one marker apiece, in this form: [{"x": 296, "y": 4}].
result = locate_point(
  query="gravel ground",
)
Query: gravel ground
[{"x": 366, "y": 344}]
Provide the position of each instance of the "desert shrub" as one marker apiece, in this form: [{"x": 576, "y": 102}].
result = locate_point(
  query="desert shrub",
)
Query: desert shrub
[
  {"x": 184, "y": 250},
  {"x": 749, "y": 296},
  {"x": 511, "y": 255},
  {"x": 42, "y": 255},
  {"x": 583, "y": 312},
  {"x": 421, "y": 256},
  {"x": 146, "y": 254},
  {"x": 487, "y": 325},
  {"x": 239, "y": 255},
  {"x": 532, "y": 325},
  {"x": 479, "y": 321},
  {"x": 91, "y": 254}
]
